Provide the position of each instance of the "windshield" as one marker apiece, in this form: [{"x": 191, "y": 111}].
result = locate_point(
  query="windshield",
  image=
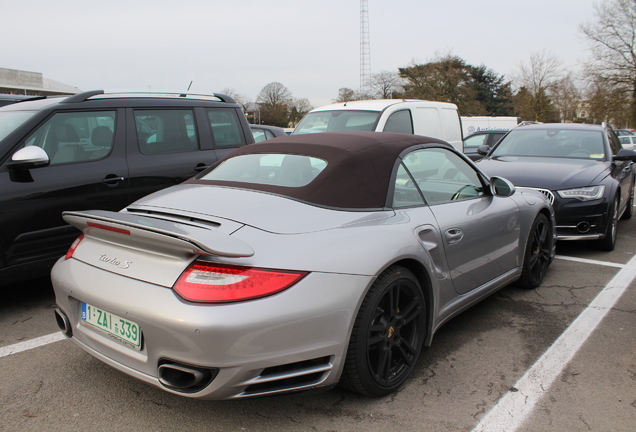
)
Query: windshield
[
  {"x": 270, "y": 169},
  {"x": 338, "y": 121},
  {"x": 564, "y": 143},
  {"x": 11, "y": 120}
]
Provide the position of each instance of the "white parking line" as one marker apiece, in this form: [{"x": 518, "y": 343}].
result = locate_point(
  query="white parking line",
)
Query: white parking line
[
  {"x": 512, "y": 409},
  {"x": 31, "y": 343},
  {"x": 589, "y": 261}
]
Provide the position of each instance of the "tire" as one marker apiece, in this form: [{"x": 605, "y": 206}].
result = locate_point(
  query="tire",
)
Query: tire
[
  {"x": 537, "y": 255},
  {"x": 629, "y": 210},
  {"x": 608, "y": 242},
  {"x": 387, "y": 335}
]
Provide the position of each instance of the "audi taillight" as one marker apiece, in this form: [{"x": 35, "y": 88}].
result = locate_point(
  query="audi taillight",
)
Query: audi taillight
[
  {"x": 71, "y": 250},
  {"x": 216, "y": 283}
]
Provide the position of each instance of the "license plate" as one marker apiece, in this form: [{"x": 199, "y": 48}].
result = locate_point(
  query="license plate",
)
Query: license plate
[{"x": 116, "y": 326}]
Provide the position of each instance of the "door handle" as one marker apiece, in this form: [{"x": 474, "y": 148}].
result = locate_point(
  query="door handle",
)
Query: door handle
[
  {"x": 453, "y": 235},
  {"x": 112, "y": 180}
]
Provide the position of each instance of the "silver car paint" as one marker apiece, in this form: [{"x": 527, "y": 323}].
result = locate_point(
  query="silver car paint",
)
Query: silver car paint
[{"x": 344, "y": 251}]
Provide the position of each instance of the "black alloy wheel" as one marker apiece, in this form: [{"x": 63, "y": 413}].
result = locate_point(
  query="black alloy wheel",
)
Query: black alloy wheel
[
  {"x": 538, "y": 253},
  {"x": 387, "y": 335}
]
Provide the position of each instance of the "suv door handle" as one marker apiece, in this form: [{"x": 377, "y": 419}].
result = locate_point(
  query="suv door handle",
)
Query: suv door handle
[
  {"x": 201, "y": 167},
  {"x": 112, "y": 180}
]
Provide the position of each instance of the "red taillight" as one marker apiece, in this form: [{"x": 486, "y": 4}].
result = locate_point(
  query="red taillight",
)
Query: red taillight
[
  {"x": 74, "y": 246},
  {"x": 108, "y": 228},
  {"x": 215, "y": 283}
]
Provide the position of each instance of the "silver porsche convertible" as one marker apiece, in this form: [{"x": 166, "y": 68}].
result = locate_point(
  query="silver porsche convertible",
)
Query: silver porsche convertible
[{"x": 298, "y": 263}]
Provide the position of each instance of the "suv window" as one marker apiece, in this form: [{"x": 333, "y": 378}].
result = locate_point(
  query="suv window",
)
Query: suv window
[
  {"x": 226, "y": 128},
  {"x": 399, "y": 121},
  {"x": 166, "y": 131},
  {"x": 75, "y": 136}
]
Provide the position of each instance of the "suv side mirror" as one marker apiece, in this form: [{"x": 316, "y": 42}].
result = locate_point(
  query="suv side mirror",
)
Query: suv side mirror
[
  {"x": 29, "y": 157},
  {"x": 501, "y": 187}
]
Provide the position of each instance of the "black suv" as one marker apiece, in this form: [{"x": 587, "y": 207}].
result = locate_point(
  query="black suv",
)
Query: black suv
[{"x": 96, "y": 150}]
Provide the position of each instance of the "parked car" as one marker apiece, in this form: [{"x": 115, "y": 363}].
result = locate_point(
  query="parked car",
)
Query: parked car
[
  {"x": 623, "y": 132},
  {"x": 296, "y": 263},
  {"x": 8, "y": 99},
  {"x": 583, "y": 169},
  {"x": 263, "y": 133},
  {"x": 95, "y": 150},
  {"x": 434, "y": 119},
  {"x": 478, "y": 139},
  {"x": 627, "y": 141}
]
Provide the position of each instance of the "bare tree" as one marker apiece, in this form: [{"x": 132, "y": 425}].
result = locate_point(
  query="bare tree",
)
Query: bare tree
[
  {"x": 567, "y": 98},
  {"x": 298, "y": 109},
  {"x": 539, "y": 78},
  {"x": 345, "y": 94},
  {"x": 386, "y": 85},
  {"x": 240, "y": 99},
  {"x": 612, "y": 40},
  {"x": 274, "y": 101}
]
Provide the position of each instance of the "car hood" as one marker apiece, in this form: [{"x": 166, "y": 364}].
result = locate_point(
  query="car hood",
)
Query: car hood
[
  {"x": 546, "y": 173},
  {"x": 261, "y": 210}
]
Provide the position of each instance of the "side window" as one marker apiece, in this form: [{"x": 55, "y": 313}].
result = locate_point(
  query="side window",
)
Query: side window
[
  {"x": 405, "y": 193},
  {"x": 442, "y": 176},
  {"x": 475, "y": 141},
  {"x": 226, "y": 128},
  {"x": 166, "y": 131},
  {"x": 261, "y": 134},
  {"x": 399, "y": 121},
  {"x": 615, "y": 144},
  {"x": 76, "y": 136}
]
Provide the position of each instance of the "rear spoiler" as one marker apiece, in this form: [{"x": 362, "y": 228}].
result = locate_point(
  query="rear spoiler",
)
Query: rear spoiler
[{"x": 156, "y": 234}]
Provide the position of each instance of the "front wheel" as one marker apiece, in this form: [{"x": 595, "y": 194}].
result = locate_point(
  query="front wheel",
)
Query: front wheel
[
  {"x": 387, "y": 334},
  {"x": 608, "y": 242},
  {"x": 538, "y": 253}
]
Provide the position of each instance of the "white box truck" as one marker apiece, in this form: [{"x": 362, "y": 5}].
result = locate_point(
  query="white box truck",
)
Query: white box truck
[
  {"x": 472, "y": 124},
  {"x": 434, "y": 119}
]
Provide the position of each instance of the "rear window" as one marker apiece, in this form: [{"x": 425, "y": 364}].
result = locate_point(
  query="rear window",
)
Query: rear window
[
  {"x": 268, "y": 169},
  {"x": 11, "y": 120}
]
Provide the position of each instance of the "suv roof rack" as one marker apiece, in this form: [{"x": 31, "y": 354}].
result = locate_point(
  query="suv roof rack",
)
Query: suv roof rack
[{"x": 84, "y": 96}]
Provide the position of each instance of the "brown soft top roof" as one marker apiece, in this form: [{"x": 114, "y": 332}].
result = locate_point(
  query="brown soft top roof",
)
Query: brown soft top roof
[{"x": 358, "y": 171}]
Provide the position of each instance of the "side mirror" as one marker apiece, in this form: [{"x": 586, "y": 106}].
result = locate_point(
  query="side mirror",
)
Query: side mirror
[
  {"x": 626, "y": 154},
  {"x": 501, "y": 187},
  {"x": 28, "y": 158},
  {"x": 483, "y": 150}
]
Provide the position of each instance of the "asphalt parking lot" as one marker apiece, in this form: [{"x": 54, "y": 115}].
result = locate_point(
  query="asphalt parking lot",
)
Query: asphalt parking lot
[{"x": 501, "y": 366}]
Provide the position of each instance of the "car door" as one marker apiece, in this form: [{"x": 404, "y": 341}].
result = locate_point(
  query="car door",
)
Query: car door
[
  {"x": 87, "y": 170},
  {"x": 479, "y": 231},
  {"x": 622, "y": 171}
]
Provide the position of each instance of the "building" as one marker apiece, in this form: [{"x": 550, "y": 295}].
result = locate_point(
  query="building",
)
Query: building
[{"x": 31, "y": 83}]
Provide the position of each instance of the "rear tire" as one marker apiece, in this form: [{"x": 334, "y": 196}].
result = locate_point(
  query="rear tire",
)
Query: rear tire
[
  {"x": 387, "y": 335},
  {"x": 538, "y": 253}
]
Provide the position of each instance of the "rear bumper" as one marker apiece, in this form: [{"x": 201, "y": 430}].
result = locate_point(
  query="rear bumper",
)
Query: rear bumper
[{"x": 295, "y": 340}]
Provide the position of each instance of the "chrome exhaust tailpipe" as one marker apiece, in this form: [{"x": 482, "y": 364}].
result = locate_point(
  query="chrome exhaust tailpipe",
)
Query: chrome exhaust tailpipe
[
  {"x": 63, "y": 323},
  {"x": 185, "y": 378}
]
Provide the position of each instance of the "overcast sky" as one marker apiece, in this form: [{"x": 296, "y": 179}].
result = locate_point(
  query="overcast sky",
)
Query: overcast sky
[{"x": 311, "y": 47}]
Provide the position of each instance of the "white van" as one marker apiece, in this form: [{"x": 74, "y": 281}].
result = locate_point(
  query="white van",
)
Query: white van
[
  {"x": 472, "y": 124},
  {"x": 435, "y": 119}
]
